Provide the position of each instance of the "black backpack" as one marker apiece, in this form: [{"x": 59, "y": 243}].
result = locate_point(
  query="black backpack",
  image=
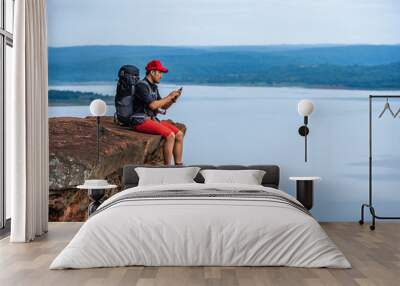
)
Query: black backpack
[{"x": 128, "y": 77}]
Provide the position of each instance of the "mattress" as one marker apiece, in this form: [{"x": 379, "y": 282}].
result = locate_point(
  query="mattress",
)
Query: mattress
[{"x": 201, "y": 225}]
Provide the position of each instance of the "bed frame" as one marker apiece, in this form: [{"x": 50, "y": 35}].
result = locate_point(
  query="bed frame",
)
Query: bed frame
[{"x": 130, "y": 178}]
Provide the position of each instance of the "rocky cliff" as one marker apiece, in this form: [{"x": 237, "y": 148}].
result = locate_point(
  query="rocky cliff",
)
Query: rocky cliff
[{"x": 73, "y": 158}]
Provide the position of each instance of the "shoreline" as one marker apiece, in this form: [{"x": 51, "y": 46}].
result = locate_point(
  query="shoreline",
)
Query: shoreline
[{"x": 167, "y": 84}]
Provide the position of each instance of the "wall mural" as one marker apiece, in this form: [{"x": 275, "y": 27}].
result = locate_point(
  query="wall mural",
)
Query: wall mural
[{"x": 243, "y": 68}]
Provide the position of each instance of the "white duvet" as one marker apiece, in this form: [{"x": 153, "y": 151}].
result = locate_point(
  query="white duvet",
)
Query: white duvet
[{"x": 199, "y": 231}]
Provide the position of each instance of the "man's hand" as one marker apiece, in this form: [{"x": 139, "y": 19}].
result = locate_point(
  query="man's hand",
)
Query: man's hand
[
  {"x": 166, "y": 102},
  {"x": 174, "y": 95}
]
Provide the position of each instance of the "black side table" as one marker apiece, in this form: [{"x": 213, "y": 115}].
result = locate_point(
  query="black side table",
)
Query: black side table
[
  {"x": 96, "y": 194},
  {"x": 305, "y": 190}
]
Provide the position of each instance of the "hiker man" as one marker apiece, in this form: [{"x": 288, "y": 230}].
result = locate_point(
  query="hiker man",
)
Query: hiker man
[{"x": 147, "y": 103}]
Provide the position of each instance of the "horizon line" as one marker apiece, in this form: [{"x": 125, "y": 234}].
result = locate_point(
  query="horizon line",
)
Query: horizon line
[{"x": 221, "y": 46}]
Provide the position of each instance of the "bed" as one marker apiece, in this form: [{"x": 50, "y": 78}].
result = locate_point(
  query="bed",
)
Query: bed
[{"x": 201, "y": 224}]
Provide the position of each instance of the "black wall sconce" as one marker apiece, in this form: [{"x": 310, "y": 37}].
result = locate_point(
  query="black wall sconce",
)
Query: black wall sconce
[{"x": 305, "y": 108}]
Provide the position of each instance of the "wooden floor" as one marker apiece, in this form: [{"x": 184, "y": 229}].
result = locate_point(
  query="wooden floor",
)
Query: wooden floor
[{"x": 375, "y": 257}]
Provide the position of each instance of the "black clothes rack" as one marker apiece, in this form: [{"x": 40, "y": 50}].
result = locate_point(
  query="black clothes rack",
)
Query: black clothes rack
[{"x": 370, "y": 203}]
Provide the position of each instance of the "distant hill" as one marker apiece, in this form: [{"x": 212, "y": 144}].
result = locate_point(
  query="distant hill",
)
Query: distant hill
[
  {"x": 66, "y": 97},
  {"x": 354, "y": 66}
]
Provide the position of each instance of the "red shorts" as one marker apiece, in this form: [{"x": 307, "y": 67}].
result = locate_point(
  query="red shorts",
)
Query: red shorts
[{"x": 163, "y": 128}]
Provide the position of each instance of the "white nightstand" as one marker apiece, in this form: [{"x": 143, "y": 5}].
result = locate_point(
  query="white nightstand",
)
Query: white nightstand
[
  {"x": 95, "y": 193},
  {"x": 304, "y": 190}
]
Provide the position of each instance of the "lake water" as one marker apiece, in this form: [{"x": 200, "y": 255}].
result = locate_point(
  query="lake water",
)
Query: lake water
[{"x": 258, "y": 125}]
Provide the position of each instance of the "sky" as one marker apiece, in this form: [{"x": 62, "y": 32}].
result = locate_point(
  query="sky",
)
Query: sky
[{"x": 222, "y": 22}]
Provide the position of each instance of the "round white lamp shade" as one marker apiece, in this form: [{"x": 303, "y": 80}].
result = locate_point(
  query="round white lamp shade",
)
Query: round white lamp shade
[
  {"x": 305, "y": 107},
  {"x": 98, "y": 107}
]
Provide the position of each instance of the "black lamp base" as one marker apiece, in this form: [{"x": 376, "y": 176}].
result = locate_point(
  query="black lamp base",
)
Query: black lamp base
[{"x": 304, "y": 131}]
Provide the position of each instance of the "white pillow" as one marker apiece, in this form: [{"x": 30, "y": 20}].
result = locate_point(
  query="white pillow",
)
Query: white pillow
[
  {"x": 165, "y": 176},
  {"x": 249, "y": 177}
]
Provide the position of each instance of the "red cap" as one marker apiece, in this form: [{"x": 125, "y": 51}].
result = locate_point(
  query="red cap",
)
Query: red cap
[{"x": 156, "y": 65}]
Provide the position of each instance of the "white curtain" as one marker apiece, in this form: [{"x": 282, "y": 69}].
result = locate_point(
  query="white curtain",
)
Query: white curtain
[{"x": 27, "y": 124}]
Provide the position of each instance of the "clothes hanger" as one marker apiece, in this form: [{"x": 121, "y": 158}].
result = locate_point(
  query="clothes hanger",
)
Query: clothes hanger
[
  {"x": 387, "y": 107},
  {"x": 397, "y": 113}
]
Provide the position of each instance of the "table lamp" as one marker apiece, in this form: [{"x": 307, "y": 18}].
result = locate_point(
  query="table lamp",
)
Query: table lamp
[{"x": 98, "y": 108}]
